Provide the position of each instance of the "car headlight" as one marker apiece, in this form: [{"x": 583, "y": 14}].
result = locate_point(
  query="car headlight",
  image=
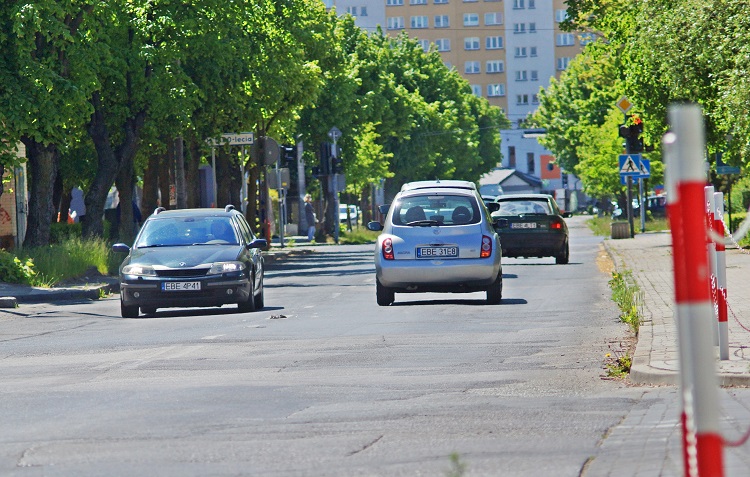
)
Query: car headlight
[
  {"x": 140, "y": 270},
  {"x": 226, "y": 267}
]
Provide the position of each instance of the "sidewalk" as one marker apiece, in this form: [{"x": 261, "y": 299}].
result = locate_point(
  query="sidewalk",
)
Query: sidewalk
[{"x": 649, "y": 257}]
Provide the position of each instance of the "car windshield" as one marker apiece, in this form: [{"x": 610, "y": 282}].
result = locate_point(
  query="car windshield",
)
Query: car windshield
[
  {"x": 436, "y": 210},
  {"x": 173, "y": 231},
  {"x": 519, "y": 207}
]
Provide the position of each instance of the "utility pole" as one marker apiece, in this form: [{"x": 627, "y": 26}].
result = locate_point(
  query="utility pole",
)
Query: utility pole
[{"x": 334, "y": 134}]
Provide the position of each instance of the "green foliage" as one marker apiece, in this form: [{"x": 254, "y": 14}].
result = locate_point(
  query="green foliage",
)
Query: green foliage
[
  {"x": 69, "y": 259},
  {"x": 15, "y": 270},
  {"x": 458, "y": 467},
  {"x": 628, "y": 296},
  {"x": 358, "y": 236},
  {"x": 63, "y": 231}
]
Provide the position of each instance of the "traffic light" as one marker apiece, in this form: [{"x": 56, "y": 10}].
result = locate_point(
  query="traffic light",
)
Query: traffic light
[
  {"x": 632, "y": 134},
  {"x": 289, "y": 153}
]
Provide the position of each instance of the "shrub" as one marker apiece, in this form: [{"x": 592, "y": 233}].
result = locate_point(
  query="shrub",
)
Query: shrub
[{"x": 15, "y": 270}]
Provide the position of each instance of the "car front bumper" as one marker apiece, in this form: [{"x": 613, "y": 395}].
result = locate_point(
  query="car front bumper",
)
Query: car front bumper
[{"x": 215, "y": 291}]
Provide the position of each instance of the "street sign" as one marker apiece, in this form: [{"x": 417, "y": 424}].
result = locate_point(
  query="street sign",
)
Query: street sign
[
  {"x": 334, "y": 133},
  {"x": 727, "y": 170},
  {"x": 624, "y": 104},
  {"x": 232, "y": 139},
  {"x": 645, "y": 169},
  {"x": 630, "y": 164}
]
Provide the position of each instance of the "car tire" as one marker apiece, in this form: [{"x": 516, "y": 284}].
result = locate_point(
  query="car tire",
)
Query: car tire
[
  {"x": 384, "y": 295},
  {"x": 148, "y": 310},
  {"x": 248, "y": 306},
  {"x": 128, "y": 311},
  {"x": 259, "y": 298},
  {"x": 495, "y": 290},
  {"x": 564, "y": 256}
]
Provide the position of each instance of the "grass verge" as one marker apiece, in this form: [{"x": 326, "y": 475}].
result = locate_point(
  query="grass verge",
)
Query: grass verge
[
  {"x": 629, "y": 299},
  {"x": 603, "y": 225}
]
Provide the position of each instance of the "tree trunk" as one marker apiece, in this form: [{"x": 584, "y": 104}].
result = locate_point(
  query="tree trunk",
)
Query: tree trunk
[
  {"x": 150, "y": 199},
  {"x": 165, "y": 181},
  {"x": 192, "y": 176},
  {"x": 125, "y": 181},
  {"x": 43, "y": 165},
  {"x": 179, "y": 178}
]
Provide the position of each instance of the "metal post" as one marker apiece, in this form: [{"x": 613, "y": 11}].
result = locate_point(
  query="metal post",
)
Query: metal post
[
  {"x": 642, "y": 201},
  {"x": 282, "y": 219},
  {"x": 708, "y": 207},
  {"x": 721, "y": 277},
  {"x": 630, "y": 206},
  {"x": 693, "y": 295}
]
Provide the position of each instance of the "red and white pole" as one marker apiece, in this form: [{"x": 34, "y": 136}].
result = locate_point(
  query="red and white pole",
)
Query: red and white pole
[
  {"x": 693, "y": 293},
  {"x": 711, "y": 247},
  {"x": 721, "y": 277}
]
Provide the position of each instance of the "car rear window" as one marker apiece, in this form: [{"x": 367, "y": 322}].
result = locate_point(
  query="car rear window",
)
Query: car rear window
[
  {"x": 444, "y": 209},
  {"x": 518, "y": 207}
]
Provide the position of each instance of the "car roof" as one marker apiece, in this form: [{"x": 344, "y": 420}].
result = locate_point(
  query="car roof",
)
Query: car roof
[
  {"x": 523, "y": 196},
  {"x": 438, "y": 184},
  {"x": 202, "y": 212}
]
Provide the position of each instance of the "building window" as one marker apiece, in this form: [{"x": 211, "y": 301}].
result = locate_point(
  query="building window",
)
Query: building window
[
  {"x": 512, "y": 157},
  {"x": 425, "y": 44},
  {"x": 352, "y": 11},
  {"x": 417, "y": 2},
  {"x": 495, "y": 66},
  {"x": 472, "y": 68},
  {"x": 471, "y": 43},
  {"x": 493, "y": 18},
  {"x": 532, "y": 27},
  {"x": 438, "y": 2},
  {"x": 519, "y": 28},
  {"x": 394, "y": 3},
  {"x": 520, "y": 52},
  {"x": 532, "y": 4},
  {"x": 561, "y": 15},
  {"x": 443, "y": 44},
  {"x": 586, "y": 38},
  {"x": 493, "y": 42},
  {"x": 534, "y": 75},
  {"x": 534, "y": 99},
  {"x": 395, "y": 23},
  {"x": 471, "y": 19},
  {"x": 521, "y": 76},
  {"x": 562, "y": 63},
  {"x": 495, "y": 90},
  {"x": 530, "y": 162},
  {"x": 532, "y": 51},
  {"x": 565, "y": 39},
  {"x": 420, "y": 21},
  {"x": 518, "y": 4},
  {"x": 442, "y": 21},
  {"x": 476, "y": 90},
  {"x": 522, "y": 99}
]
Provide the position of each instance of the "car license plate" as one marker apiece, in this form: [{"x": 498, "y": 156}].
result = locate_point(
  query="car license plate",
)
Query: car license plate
[
  {"x": 439, "y": 252},
  {"x": 523, "y": 225},
  {"x": 181, "y": 286}
]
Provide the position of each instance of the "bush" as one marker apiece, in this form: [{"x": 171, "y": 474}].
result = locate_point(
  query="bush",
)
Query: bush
[
  {"x": 70, "y": 259},
  {"x": 14, "y": 270}
]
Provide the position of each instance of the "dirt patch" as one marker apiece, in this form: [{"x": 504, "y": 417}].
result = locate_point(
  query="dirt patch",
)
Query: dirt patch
[{"x": 604, "y": 261}]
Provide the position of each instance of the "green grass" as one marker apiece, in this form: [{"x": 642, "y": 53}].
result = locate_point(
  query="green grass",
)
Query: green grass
[
  {"x": 69, "y": 259},
  {"x": 359, "y": 235},
  {"x": 602, "y": 225},
  {"x": 628, "y": 296}
]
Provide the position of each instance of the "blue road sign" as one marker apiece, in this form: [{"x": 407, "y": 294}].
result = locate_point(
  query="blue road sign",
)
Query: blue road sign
[
  {"x": 630, "y": 164},
  {"x": 645, "y": 169}
]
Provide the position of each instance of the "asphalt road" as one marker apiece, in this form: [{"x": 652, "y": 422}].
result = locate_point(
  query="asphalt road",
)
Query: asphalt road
[{"x": 323, "y": 382}]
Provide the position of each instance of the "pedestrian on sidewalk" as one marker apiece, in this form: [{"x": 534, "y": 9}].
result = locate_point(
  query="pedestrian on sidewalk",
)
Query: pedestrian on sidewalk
[{"x": 309, "y": 217}]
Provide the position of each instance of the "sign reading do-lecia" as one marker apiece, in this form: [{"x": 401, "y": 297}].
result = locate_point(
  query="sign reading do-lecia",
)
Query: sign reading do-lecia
[{"x": 232, "y": 139}]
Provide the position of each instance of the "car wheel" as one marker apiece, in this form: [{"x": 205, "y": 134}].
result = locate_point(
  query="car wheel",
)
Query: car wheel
[
  {"x": 128, "y": 311},
  {"x": 248, "y": 305},
  {"x": 564, "y": 256},
  {"x": 259, "y": 299},
  {"x": 495, "y": 290},
  {"x": 148, "y": 310},
  {"x": 385, "y": 295}
]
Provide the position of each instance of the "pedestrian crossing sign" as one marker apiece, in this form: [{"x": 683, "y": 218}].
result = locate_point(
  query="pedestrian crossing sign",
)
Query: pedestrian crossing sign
[{"x": 630, "y": 164}]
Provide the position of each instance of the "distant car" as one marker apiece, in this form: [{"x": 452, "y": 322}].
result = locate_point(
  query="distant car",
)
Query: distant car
[
  {"x": 488, "y": 199},
  {"x": 192, "y": 258},
  {"x": 353, "y": 213},
  {"x": 437, "y": 237},
  {"x": 532, "y": 225}
]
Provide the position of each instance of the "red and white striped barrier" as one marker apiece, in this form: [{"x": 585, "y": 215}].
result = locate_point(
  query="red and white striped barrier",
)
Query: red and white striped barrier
[
  {"x": 695, "y": 320},
  {"x": 721, "y": 277},
  {"x": 710, "y": 245}
]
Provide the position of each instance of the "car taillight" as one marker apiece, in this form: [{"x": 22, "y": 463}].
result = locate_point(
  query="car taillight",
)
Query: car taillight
[
  {"x": 556, "y": 224},
  {"x": 486, "y": 247},
  {"x": 388, "y": 249}
]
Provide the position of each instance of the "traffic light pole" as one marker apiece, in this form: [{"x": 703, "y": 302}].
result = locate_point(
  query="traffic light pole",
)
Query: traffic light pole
[{"x": 629, "y": 182}]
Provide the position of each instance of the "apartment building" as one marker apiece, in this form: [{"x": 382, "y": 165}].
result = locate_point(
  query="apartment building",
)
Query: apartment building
[{"x": 506, "y": 49}]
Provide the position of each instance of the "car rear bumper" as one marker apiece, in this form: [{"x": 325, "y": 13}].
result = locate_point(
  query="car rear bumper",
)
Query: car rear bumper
[
  {"x": 532, "y": 244},
  {"x": 212, "y": 293},
  {"x": 452, "y": 275}
]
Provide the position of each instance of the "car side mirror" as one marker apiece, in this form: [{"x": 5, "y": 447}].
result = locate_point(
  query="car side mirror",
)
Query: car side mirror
[
  {"x": 120, "y": 248},
  {"x": 567, "y": 214},
  {"x": 384, "y": 208},
  {"x": 374, "y": 226},
  {"x": 258, "y": 243},
  {"x": 493, "y": 206}
]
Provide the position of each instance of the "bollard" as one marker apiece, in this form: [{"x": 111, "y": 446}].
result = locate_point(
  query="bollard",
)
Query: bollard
[
  {"x": 693, "y": 295},
  {"x": 710, "y": 245},
  {"x": 721, "y": 277}
]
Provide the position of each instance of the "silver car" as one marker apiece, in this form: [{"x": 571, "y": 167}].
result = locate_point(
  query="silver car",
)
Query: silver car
[{"x": 437, "y": 236}]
